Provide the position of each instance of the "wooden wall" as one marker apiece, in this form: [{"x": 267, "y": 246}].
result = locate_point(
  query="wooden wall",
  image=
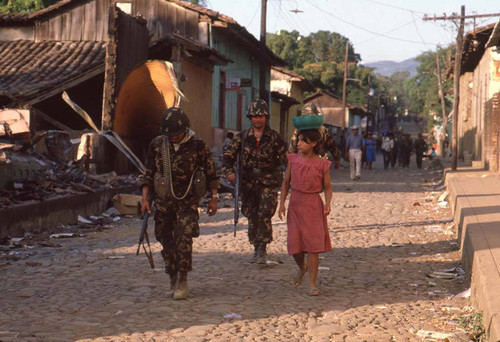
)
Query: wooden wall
[
  {"x": 127, "y": 48},
  {"x": 198, "y": 106},
  {"x": 84, "y": 21},
  {"x": 165, "y": 17},
  {"x": 89, "y": 21}
]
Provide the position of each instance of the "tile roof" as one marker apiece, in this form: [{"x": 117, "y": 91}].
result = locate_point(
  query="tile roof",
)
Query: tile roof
[{"x": 28, "y": 69}]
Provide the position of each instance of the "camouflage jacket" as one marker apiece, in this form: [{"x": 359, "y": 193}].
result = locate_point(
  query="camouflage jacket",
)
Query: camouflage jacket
[
  {"x": 263, "y": 165},
  {"x": 191, "y": 154},
  {"x": 328, "y": 144}
]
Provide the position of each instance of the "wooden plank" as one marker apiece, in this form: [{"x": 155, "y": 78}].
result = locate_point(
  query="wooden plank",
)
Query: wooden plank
[
  {"x": 105, "y": 21},
  {"x": 55, "y": 25},
  {"x": 101, "y": 16},
  {"x": 42, "y": 31},
  {"x": 171, "y": 18},
  {"x": 77, "y": 21},
  {"x": 163, "y": 24},
  {"x": 65, "y": 26},
  {"x": 90, "y": 25},
  {"x": 152, "y": 15},
  {"x": 180, "y": 20},
  {"x": 192, "y": 24}
]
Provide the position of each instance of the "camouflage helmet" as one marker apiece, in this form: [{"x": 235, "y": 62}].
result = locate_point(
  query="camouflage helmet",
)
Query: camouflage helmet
[
  {"x": 309, "y": 109},
  {"x": 258, "y": 108},
  {"x": 174, "y": 122}
]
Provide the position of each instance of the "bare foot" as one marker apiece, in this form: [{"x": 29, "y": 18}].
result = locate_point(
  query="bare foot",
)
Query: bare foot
[
  {"x": 313, "y": 291},
  {"x": 297, "y": 279}
]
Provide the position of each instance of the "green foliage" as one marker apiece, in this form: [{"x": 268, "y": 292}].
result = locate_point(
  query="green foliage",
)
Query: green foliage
[
  {"x": 23, "y": 6},
  {"x": 319, "y": 57},
  {"x": 474, "y": 325},
  {"x": 423, "y": 90}
]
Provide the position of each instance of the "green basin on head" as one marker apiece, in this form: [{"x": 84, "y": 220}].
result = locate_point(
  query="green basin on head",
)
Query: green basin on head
[{"x": 308, "y": 122}]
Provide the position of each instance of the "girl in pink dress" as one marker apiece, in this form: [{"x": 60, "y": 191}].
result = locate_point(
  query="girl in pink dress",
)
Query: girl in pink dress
[{"x": 307, "y": 175}]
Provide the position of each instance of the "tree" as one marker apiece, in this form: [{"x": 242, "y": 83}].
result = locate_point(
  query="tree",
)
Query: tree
[
  {"x": 23, "y": 6},
  {"x": 319, "y": 57}
]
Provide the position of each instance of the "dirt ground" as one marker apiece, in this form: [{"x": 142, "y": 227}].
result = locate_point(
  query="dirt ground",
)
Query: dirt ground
[{"x": 375, "y": 285}]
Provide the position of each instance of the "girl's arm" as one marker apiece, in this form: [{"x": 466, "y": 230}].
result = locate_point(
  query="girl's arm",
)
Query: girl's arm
[
  {"x": 327, "y": 186},
  {"x": 285, "y": 186}
]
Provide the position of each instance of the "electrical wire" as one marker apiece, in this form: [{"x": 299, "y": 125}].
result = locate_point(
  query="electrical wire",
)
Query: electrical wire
[
  {"x": 393, "y": 6},
  {"x": 364, "y": 29},
  {"x": 416, "y": 28},
  {"x": 297, "y": 15},
  {"x": 291, "y": 25},
  {"x": 390, "y": 31},
  {"x": 253, "y": 16}
]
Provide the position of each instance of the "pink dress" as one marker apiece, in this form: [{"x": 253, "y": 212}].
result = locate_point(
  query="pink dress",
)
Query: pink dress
[{"x": 307, "y": 225}]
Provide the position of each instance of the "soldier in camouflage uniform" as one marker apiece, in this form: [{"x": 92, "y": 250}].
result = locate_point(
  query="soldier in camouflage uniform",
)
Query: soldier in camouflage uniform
[
  {"x": 176, "y": 218},
  {"x": 328, "y": 143},
  {"x": 262, "y": 162}
]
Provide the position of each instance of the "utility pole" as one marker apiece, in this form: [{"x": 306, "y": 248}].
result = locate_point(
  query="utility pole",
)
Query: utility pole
[
  {"x": 262, "y": 53},
  {"x": 456, "y": 82},
  {"x": 443, "y": 106},
  {"x": 456, "y": 91},
  {"x": 344, "y": 85}
]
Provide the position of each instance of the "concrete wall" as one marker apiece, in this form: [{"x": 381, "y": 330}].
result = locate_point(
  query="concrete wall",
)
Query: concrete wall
[{"x": 477, "y": 89}]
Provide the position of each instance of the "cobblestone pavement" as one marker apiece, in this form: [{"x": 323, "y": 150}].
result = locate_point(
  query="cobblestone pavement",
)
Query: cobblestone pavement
[{"x": 374, "y": 283}]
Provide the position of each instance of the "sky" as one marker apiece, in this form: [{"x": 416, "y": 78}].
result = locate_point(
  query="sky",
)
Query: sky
[{"x": 380, "y": 30}]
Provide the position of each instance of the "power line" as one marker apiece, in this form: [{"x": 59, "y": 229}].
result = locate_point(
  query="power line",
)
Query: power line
[
  {"x": 285, "y": 19},
  {"x": 254, "y": 14},
  {"x": 299, "y": 19},
  {"x": 367, "y": 30},
  {"x": 392, "y": 6},
  {"x": 395, "y": 29},
  {"x": 416, "y": 28}
]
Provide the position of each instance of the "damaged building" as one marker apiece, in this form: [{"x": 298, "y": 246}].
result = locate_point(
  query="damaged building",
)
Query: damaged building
[{"x": 110, "y": 59}]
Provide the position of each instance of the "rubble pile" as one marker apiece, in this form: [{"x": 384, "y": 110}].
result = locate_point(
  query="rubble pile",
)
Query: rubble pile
[
  {"x": 22, "y": 248},
  {"x": 35, "y": 177}
]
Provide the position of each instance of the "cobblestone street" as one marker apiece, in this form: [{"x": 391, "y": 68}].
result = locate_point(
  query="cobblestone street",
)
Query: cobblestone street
[{"x": 386, "y": 235}]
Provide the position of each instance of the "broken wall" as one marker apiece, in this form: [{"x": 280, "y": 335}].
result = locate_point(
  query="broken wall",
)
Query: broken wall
[{"x": 127, "y": 48}]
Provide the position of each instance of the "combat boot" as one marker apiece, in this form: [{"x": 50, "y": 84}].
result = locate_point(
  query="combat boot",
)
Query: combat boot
[
  {"x": 173, "y": 282},
  {"x": 262, "y": 254},
  {"x": 255, "y": 253},
  {"x": 181, "y": 288}
]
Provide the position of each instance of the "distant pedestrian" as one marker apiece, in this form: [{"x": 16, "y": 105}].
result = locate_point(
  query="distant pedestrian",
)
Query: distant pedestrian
[
  {"x": 406, "y": 149},
  {"x": 354, "y": 144},
  {"x": 226, "y": 142},
  {"x": 420, "y": 149},
  {"x": 387, "y": 148},
  {"x": 395, "y": 149},
  {"x": 308, "y": 175},
  {"x": 369, "y": 150}
]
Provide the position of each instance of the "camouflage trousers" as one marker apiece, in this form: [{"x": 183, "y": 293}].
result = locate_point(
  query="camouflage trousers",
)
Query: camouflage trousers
[
  {"x": 175, "y": 230},
  {"x": 259, "y": 205}
]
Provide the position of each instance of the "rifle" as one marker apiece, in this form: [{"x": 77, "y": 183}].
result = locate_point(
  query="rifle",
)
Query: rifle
[
  {"x": 237, "y": 194},
  {"x": 144, "y": 233},
  {"x": 237, "y": 182}
]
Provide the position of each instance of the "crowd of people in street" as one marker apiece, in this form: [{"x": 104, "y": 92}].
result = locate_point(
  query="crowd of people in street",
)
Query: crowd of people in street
[{"x": 180, "y": 171}]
